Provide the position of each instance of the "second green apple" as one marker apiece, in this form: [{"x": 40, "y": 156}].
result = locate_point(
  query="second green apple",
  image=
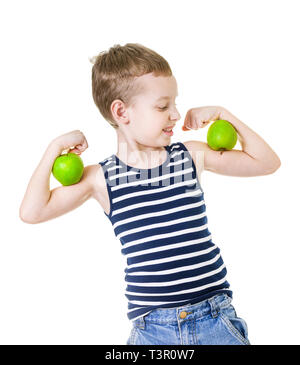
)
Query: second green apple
[{"x": 221, "y": 135}]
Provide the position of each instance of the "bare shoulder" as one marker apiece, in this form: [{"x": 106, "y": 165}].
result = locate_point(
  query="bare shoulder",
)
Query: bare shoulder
[
  {"x": 195, "y": 146},
  {"x": 96, "y": 177},
  {"x": 99, "y": 188},
  {"x": 197, "y": 150}
]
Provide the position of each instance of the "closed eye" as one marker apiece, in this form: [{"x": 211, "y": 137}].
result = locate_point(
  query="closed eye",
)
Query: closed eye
[{"x": 165, "y": 107}]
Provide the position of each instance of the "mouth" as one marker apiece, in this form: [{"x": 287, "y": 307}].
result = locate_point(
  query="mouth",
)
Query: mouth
[{"x": 168, "y": 132}]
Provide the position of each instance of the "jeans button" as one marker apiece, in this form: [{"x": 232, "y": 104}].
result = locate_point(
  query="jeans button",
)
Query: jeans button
[{"x": 183, "y": 314}]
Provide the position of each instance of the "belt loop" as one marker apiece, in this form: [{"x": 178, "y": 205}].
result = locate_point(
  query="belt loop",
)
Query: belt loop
[
  {"x": 213, "y": 307},
  {"x": 140, "y": 322}
]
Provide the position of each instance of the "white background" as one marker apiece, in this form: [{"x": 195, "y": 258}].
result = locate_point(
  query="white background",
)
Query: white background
[{"x": 62, "y": 281}]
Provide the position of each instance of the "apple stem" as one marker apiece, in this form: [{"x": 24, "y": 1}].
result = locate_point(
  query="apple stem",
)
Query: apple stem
[{"x": 222, "y": 150}]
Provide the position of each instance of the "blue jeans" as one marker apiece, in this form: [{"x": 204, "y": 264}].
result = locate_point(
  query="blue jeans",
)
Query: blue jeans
[{"x": 210, "y": 322}]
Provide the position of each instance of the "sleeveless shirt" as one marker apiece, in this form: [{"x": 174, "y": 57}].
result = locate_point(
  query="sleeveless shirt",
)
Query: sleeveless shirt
[{"x": 159, "y": 216}]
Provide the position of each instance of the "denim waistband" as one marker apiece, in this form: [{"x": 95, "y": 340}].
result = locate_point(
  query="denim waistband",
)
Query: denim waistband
[{"x": 209, "y": 306}]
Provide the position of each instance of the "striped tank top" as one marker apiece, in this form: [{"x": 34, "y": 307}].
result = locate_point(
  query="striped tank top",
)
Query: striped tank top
[{"x": 159, "y": 216}]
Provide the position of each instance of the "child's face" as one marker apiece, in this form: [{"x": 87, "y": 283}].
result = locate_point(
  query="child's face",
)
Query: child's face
[{"x": 151, "y": 114}]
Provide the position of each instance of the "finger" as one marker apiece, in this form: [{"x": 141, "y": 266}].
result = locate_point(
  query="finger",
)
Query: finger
[
  {"x": 186, "y": 123},
  {"x": 84, "y": 145},
  {"x": 194, "y": 124},
  {"x": 204, "y": 123},
  {"x": 76, "y": 151},
  {"x": 184, "y": 128},
  {"x": 81, "y": 147},
  {"x": 190, "y": 126},
  {"x": 215, "y": 116}
]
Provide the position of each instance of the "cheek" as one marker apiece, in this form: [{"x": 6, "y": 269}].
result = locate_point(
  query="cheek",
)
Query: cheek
[
  {"x": 154, "y": 124},
  {"x": 149, "y": 123}
]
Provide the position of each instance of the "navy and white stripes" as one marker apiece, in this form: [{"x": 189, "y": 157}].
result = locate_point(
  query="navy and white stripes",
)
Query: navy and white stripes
[{"x": 159, "y": 216}]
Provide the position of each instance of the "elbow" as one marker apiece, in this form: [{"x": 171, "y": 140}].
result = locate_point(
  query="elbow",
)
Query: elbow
[
  {"x": 274, "y": 167},
  {"x": 277, "y": 164},
  {"x": 26, "y": 218}
]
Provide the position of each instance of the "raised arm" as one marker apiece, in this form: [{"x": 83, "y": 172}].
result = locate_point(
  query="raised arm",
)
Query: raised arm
[
  {"x": 39, "y": 203},
  {"x": 256, "y": 157}
]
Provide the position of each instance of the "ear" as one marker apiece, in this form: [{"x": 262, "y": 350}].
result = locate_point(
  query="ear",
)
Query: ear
[{"x": 119, "y": 111}]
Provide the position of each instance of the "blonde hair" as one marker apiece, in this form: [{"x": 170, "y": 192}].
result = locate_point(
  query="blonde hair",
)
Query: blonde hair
[{"x": 114, "y": 73}]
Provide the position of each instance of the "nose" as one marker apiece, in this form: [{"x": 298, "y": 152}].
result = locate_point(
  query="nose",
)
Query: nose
[{"x": 174, "y": 115}]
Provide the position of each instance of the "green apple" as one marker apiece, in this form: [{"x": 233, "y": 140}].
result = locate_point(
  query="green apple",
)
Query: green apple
[
  {"x": 68, "y": 169},
  {"x": 221, "y": 135}
]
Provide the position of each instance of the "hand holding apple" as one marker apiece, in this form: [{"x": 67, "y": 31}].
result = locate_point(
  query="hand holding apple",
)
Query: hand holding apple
[
  {"x": 221, "y": 134},
  {"x": 68, "y": 168},
  {"x": 73, "y": 142},
  {"x": 200, "y": 117}
]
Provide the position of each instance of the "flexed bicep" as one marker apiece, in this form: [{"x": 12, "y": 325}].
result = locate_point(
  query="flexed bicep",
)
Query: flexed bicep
[{"x": 230, "y": 163}]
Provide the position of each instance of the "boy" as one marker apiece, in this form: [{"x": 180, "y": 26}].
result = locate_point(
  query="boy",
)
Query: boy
[{"x": 150, "y": 191}]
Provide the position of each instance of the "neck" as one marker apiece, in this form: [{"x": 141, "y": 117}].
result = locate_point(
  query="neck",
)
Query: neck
[{"x": 139, "y": 155}]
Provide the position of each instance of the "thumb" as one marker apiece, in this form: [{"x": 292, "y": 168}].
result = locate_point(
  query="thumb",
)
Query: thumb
[{"x": 75, "y": 150}]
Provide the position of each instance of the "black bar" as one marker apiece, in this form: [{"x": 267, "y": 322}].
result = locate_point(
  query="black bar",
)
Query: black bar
[{"x": 92, "y": 354}]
